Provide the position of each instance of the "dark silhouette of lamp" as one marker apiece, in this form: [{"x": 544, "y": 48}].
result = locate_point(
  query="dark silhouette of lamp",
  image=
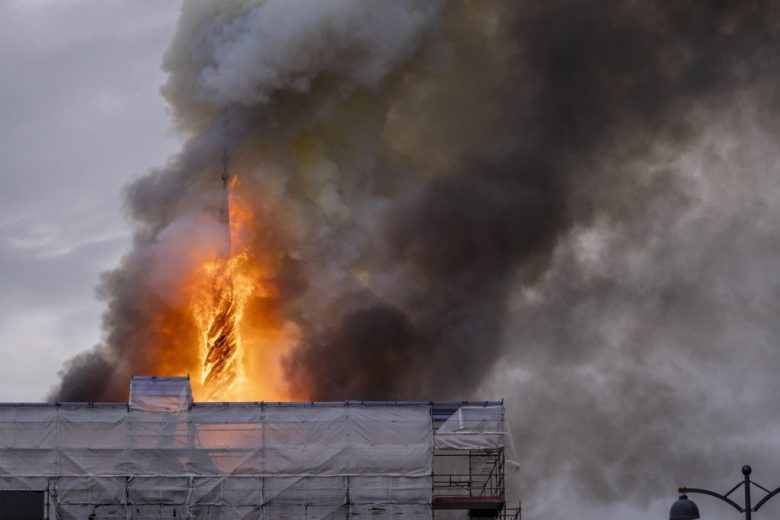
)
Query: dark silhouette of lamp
[{"x": 684, "y": 509}]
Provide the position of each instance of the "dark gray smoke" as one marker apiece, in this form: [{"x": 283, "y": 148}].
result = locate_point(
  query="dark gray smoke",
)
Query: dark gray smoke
[{"x": 567, "y": 203}]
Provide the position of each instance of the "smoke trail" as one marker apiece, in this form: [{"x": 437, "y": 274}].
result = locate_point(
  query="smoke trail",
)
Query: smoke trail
[
  {"x": 452, "y": 192},
  {"x": 540, "y": 104},
  {"x": 277, "y": 70}
]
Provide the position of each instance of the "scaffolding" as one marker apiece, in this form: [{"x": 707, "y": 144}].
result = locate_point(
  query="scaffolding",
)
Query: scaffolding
[
  {"x": 474, "y": 460},
  {"x": 163, "y": 456}
]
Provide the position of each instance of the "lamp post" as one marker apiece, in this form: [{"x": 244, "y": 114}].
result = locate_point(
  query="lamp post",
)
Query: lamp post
[{"x": 686, "y": 509}]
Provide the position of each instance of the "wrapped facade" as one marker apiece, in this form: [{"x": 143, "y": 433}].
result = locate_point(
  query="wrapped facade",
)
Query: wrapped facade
[{"x": 159, "y": 458}]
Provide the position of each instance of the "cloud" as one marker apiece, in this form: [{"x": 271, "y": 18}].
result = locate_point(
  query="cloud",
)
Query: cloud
[{"x": 81, "y": 116}]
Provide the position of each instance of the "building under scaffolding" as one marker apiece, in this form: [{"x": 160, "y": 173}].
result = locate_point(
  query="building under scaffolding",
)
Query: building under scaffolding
[{"x": 163, "y": 456}]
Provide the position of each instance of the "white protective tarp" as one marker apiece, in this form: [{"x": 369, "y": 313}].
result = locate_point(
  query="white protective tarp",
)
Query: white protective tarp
[
  {"x": 474, "y": 428},
  {"x": 221, "y": 461},
  {"x": 478, "y": 428},
  {"x": 162, "y": 394}
]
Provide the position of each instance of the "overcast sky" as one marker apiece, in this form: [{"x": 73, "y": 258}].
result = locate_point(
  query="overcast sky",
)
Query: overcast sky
[{"x": 81, "y": 116}]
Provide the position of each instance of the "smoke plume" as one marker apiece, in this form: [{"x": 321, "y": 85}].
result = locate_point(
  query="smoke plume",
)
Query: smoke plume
[{"x": 566, "y": 203}]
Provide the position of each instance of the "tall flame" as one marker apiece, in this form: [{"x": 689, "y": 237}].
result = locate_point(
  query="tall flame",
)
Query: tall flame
[
  {"x": 220, "y": 290},
  {"x": 217, "y": 311}
]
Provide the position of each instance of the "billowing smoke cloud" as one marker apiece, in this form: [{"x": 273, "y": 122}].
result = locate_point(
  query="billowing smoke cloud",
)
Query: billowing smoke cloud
[{"x": 557, "y": 201}]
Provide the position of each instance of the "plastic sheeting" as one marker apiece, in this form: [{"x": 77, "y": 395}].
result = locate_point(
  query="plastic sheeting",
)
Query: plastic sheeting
[
  {"x": 478, "y": 428},
  {"x": 221, "y": 461},
  {"x": 160, "y": 394},
  {"x": 474, "y": 428}
]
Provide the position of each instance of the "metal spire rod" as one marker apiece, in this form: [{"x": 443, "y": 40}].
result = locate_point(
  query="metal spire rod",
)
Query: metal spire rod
[{"x": 224, "y": 209}]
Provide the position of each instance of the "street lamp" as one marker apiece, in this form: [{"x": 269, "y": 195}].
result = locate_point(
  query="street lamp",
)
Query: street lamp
[{"x": 686, "y": 509}]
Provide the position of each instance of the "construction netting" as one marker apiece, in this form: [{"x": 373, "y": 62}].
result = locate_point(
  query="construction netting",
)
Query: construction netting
[
  {"x": 475, "y": 450},
  {"x": 160, "y": 394},
  {"x": 221, "y": 461},
  {"x": 474, "y": 427}
]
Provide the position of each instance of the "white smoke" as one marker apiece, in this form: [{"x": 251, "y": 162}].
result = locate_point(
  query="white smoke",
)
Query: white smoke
[{"x": 245, "y": 52}]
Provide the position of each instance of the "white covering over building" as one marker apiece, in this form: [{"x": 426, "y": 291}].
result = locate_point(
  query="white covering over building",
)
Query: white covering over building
[{"x": 162, "y": 456}]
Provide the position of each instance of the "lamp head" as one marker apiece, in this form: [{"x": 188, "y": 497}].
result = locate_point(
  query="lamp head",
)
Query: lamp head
[{"x": 684, "y": 509}]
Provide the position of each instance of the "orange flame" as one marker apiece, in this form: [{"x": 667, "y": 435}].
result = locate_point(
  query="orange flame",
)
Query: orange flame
[{"x": 233, "y": 303}]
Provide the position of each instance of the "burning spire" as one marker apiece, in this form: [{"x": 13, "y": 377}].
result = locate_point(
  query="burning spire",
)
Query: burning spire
[{"x": 220, "y": 363}]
